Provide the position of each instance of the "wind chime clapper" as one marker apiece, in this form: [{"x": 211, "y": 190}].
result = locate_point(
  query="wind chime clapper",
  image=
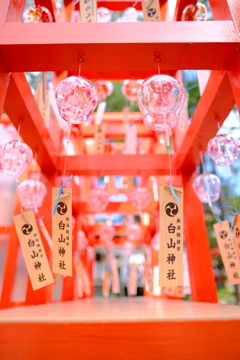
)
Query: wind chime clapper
[{"x": 160, "y": 100}]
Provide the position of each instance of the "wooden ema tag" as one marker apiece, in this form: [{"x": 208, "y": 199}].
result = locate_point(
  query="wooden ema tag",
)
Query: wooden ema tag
[
  {"x": 115, "y": 277},
  {"x": 151, "y": 10},
  {"x": 132, "y": 280},
  {"x": 62, "y": 232},
  {"x": 99, "y": 137},
  {"x": 88, "y": 10},
  {"x": 33, "y": 251},
  {"x": 82, "y": 274},
  {"x": 228, "y": 252},
  {"x": 174, "y": 291},
  {"x": 171, "y": 235},
  {"x": 106, "y": 283},
  {"x": 237, "y": 233}
]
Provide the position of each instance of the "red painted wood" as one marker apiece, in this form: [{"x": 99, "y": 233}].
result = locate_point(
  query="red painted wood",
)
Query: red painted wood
[
  {"x": 118, "y": 46},
  {"x": 226, "y": 10},
  {"x": 129, "y": 340},
  {"x": 4, "y": 81},
  {"x": 203, "y": 286},
  {"x": 146, "y": 164},
  {"x": 15, "y": 10},
  {"x": 216, "y": 103},
  {"x": 10, "y": 266},
  {"x": 33, "y": 129}
]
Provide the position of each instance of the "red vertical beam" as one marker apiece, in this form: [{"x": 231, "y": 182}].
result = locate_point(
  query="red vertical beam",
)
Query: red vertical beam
[
  {"x": 4, "y": 81},
  {"x": 43, "y": 295},
  {"x": 10, "y": 265},
  {"x": 15, "y": 10},
  {"x": 180, "y": 6},
  {"x": 202, "y": 280},
  {"x": 66, "y": 12},
  {"x": 226, "y": 10}
]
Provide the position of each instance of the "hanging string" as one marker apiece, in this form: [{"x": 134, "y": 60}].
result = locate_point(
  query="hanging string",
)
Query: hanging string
[
  {"x": 170, "y": 175},
  {"x": 79, "y": 69},
  {"x": 80, "y": 61}
]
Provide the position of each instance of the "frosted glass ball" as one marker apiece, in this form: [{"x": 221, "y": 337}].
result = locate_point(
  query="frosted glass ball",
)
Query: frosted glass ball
[
  {"x": 160, "y": 100},
  {"x": 76, "y": 99},
  {"x": 223, "y": 149},
  {"x": 38, "y": 14},
  {"x": 129, "y": 15},
  {"x": 134, "y": 232},
  {"x": 139, "y": 197},
  {"x": 97, "y": 200},
  {"x": 107, "y": 233},
  {"x": 130, "y": 89},
  {"x": 103, "y": 14},
  {"x": 31, "y": 193},
  {"x": 15, "y": 156},
  {"x": 196, "y": 12},
  {"x": 207, "y": 187},
  {"x": 103, "y": 88}
]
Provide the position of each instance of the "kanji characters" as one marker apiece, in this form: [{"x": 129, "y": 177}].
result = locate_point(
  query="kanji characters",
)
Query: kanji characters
[
  {"x": 171, "y": 258},
  {"x": 61, "y": 251},
  {"x": 62, "y": 265},
  {"x": 37, "y": 265},
  {"x": 170, "y": 275},
  {"x": 172, "y": 244},
  {"x": 41, "y": 277},
  {"x": 171, "y": 229}
]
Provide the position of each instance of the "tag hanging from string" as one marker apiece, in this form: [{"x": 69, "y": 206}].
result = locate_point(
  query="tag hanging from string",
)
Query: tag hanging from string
[{"x": 33, "y": 250}]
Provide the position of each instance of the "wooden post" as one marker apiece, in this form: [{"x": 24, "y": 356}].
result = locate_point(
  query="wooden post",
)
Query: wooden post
[{"x": 196, "y": 240}]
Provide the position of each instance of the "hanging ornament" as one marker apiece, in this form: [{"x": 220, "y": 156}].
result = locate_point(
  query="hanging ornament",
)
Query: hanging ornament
[
  {"x": 223, "y": 149},
  {"x": 31, "y": 193},
  {"x": 97, "y": 200},
  {"x": 107, "y": 233},
  {"x": 38, "y": 14},
  {"x": 130, "y": 89},
  {"x": 140, "y": 198},
  {"x": 15, "y": 156},
  {"x": 196, "y": 12},
  {"x": 160, "y": 100},
  {"x": 76, "y": 99},
  {"x": 207, "y": 188},
  {"x": 104, "y": 89},
  {"x": 134, "y": 232},
  {"x": 103, "y": 14},
  {"x": 130, "y": 14}
]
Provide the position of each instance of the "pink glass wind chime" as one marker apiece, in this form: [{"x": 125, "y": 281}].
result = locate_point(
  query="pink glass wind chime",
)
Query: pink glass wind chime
[
  {"x": 196, "y": 12},
  {"x": 160, "y": 100}
]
